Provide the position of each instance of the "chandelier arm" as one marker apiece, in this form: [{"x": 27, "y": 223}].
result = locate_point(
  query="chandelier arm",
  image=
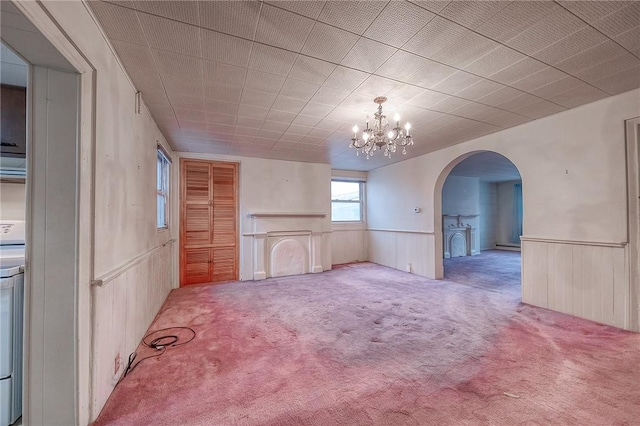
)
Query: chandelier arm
[
  {"x": 407, "y": 140},
  {"x": 356, "y": 143}
]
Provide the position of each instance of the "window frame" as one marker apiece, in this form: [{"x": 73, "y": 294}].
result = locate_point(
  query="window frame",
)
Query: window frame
[
  {"x": 361, "y": 201},
  {"x": 163, "y": 190}
]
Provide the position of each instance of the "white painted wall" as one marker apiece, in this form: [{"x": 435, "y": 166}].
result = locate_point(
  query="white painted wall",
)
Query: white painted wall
[
  {"x": 573, "y": 172},
  {"x": 572, "y": 163},
  {"x": 125, "y": 199},
  {"x": 283, "y": 186},
  {"x": 12, "y": 200},
  {"x": 461, "y": 195},
  {"x": 488, "y": 215}
]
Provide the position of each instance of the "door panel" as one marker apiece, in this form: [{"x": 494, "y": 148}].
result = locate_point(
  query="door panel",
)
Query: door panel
[
  {"x": 209, "y": 228},
  {"x": 224, "y": 266},
  {"x": 224, "y": 206},
  {"x": 197, "y": 181},
  {"x": 197, "y": 220},
  {"x": 197, "y": 266}
]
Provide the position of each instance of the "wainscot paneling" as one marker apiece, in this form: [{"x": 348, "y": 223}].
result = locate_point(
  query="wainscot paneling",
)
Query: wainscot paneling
[
  {"x": 124, "y": 304},
  {"x": 585, "y": 279},
  {"x": 404, "y": 250},
  {"x": 348, "y": 245}
]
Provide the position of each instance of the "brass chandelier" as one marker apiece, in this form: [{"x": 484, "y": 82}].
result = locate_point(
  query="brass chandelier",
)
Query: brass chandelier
[{"x": 381, "y": 136}]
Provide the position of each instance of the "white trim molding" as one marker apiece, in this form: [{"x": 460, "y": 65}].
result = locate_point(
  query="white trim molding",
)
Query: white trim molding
[
  {"x": 286, "y": 214},
  {"x": 401, "y": 231},
  {"x": 115, "y": 273},
  {"x": 574, "y": 242}
]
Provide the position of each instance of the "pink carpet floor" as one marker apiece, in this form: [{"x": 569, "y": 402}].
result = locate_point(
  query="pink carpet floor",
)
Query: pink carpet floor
[
  {"x": 496, "y": 270},
  {"x": 368, "y": 345}
]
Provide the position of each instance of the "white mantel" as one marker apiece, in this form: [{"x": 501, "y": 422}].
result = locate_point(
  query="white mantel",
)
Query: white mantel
[
  {"x": 460, "y": 235},
  {"x": 286, "y": 243}
]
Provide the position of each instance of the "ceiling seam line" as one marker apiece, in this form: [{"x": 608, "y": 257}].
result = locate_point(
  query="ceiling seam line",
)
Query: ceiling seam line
[
  {"x": 349, "y": 67},
  {"x": 400, "y": 49},
  {"x": 600, "y": 32},
  {"x": 516, "y": 50},
  {"x": 202, "y": 62}
]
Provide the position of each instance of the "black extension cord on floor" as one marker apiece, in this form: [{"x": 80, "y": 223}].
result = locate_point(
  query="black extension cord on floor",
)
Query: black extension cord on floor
[{"x": 159, "y": 343}]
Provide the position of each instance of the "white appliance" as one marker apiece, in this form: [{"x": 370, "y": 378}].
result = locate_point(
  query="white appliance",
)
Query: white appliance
[{"x": 12, "y": 236}]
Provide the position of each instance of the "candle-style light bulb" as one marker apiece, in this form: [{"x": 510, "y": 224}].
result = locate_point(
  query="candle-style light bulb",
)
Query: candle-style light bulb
[
  {"x": 396, "y": 117},
  {"x": 407, "y": 126}
]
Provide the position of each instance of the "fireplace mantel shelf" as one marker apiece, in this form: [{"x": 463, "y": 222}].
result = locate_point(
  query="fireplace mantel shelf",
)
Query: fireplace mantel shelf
[{"x": 286, "y": 214}]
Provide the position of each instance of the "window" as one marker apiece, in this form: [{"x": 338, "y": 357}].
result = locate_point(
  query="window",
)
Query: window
[
  {"x": 162, "y": 187},
  {"x": 346, "y": 201}
]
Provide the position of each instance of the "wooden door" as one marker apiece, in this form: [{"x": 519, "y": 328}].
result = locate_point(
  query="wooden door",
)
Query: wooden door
[{"x": 208, "y": 223}]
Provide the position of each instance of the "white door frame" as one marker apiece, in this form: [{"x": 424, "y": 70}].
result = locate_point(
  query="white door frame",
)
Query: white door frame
[
  {"x": 44, "y": 22},
  {"x": 633, "y": 206}
]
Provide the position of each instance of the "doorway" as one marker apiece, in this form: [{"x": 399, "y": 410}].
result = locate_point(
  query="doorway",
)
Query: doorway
[
  {"x": 57, "y": 216},
  {"x": 482, "y": 220},
  {"x": 13, "y": 163}
]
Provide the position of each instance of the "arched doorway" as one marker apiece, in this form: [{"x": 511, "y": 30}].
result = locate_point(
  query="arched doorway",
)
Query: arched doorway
[{"x": 479, "y": 207}]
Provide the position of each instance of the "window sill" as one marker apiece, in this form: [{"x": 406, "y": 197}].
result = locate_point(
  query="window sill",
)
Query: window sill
[{"x": 344, "y": 226}]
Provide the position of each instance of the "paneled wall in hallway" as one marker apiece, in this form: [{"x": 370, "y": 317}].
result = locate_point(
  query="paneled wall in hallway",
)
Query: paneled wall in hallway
[{"x": 123, "y": 307}]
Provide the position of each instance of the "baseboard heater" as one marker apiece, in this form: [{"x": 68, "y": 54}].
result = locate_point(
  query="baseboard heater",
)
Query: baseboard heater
[{"x": 507, "y": 247}]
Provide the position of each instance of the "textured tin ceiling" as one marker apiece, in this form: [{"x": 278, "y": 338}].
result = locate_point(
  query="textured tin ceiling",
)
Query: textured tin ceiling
[{"x": 288, "y": 79}]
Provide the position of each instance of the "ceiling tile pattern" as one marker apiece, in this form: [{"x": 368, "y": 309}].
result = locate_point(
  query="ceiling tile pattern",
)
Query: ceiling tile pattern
[{"x": 288, "y": 79}]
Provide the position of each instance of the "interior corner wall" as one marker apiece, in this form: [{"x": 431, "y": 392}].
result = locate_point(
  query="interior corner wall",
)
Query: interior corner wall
[
  {"x": 131, "y": 257},
  {"x": 488, "y": 215},
  {"x": 572, "y": 166},
  {"x": 504, "y": 226}
]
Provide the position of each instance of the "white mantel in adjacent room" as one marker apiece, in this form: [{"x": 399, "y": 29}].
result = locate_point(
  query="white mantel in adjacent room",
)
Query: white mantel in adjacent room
[{"x": 460, "y": 235}]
